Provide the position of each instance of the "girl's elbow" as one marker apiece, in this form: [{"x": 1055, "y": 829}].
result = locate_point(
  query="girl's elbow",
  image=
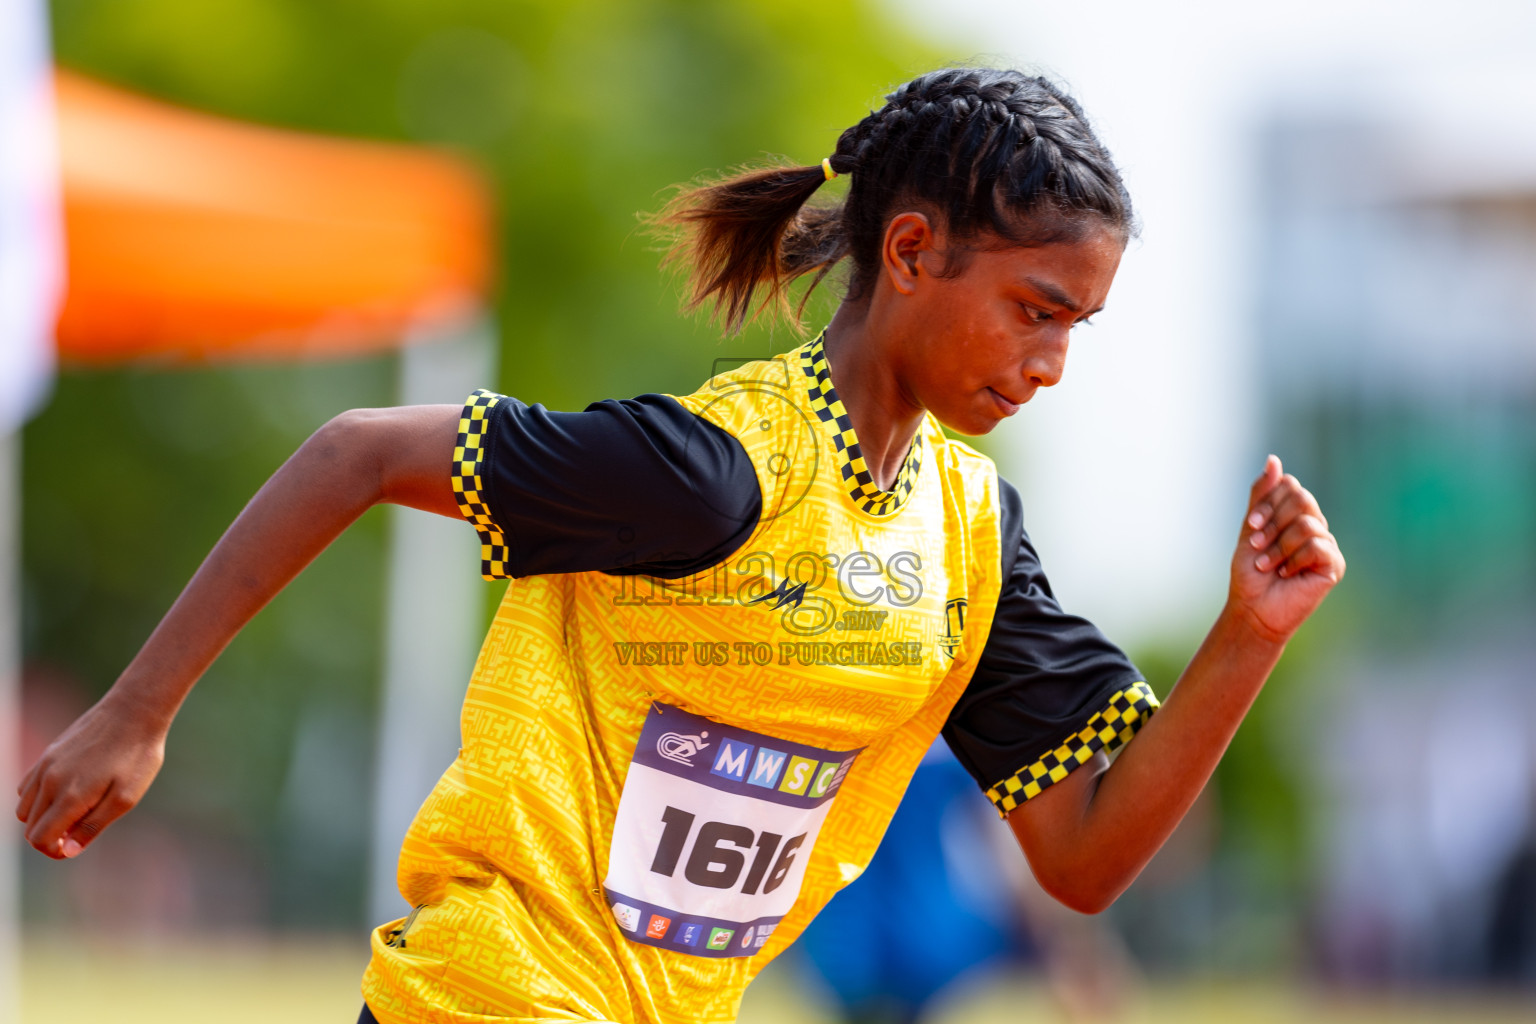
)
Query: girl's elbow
[
  {"x": 347, "y": 451},
  {"x": 1088, "y": 902},
  {"x": 1081, "y": 891},
  {"x": 402, "y": 455},
  {"x": 348, "y": 433}
]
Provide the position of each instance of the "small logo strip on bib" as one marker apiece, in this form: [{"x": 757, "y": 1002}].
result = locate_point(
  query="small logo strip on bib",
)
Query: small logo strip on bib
[{"x": 713, "y": 832}]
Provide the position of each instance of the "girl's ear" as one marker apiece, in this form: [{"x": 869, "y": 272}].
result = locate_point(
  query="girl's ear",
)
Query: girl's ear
[{"x": 907, "y": 236}]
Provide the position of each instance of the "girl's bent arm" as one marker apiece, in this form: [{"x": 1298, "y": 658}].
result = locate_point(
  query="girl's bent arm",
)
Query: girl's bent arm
[
  {"x": 1089, "y": 836},
  {"x": 103, "y": 763}
]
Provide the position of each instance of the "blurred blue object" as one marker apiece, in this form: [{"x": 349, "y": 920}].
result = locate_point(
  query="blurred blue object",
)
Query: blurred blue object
[{"x": 930, "y": 907}]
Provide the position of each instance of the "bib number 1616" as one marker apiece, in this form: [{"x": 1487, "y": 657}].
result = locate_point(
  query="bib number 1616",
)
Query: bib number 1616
[{"x": 719, "y": 854}]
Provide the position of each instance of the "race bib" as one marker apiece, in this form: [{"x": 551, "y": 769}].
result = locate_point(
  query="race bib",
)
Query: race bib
[{"x": 714, "y": 829}]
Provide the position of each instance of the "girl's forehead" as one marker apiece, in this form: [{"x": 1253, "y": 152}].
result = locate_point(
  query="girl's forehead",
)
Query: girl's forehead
[{"x": 1069, "y": 272}]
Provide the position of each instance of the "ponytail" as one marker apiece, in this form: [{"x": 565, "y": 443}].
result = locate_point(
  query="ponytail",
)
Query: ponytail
[
  {"x": 749, "y": 231},
  {"x": 997, "y": 154}
]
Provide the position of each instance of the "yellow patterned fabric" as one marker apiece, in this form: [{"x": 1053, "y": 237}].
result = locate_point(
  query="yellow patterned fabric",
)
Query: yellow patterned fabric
[
  {"x": 850, "y": 620},
  {"x": 1126, "y": 712}
]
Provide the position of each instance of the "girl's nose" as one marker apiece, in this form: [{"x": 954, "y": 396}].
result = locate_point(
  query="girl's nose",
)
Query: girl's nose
[{"x": 1044, "y": 367}]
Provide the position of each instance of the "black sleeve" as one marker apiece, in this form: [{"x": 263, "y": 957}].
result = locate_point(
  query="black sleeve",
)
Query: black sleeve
[
  {"x": 1049, "y": 690},
  {"x": 639, "y": 486}
]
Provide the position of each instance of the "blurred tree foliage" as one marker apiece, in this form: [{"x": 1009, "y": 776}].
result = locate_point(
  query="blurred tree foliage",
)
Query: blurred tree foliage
[{"x": 581, "y": 113}]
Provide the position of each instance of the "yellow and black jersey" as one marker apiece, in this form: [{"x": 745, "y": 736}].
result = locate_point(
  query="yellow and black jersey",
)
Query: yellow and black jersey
[{"x": 722, "y": 655}]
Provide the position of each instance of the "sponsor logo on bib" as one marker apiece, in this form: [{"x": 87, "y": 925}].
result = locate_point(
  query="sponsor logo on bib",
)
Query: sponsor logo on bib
[
  {"x": 713, "y": 832},
  {"x": 679, "y": 748},
  {"x": 627, "y": 916}
]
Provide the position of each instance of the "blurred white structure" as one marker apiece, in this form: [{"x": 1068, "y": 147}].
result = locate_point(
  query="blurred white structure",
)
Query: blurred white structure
[
  {"x": 1400, "y": 329},
  {"x": 31, "y": 253},
  {"x": 31, "y": 276},
  {"x": 1420, "y": 836},
  {"x": 433, "y": 622}
]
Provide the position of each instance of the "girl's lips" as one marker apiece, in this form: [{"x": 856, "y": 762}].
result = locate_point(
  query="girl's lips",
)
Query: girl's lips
[{"x": 1008, "y": 408}]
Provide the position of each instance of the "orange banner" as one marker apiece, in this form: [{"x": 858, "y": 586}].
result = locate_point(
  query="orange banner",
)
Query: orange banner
[{"x": 192, "y": 238}]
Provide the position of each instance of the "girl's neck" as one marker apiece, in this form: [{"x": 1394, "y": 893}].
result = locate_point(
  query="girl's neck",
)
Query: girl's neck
[{"x": 864, "y": 360}]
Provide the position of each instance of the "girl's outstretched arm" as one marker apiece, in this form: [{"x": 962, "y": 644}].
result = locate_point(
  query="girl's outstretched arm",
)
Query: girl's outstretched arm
[
  {"x": 1089, "y": 836},
  {"x": 102, "y": 764}
]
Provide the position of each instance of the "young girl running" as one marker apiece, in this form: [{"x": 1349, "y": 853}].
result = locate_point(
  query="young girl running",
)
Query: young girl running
[{"x": 738, "y": 618}]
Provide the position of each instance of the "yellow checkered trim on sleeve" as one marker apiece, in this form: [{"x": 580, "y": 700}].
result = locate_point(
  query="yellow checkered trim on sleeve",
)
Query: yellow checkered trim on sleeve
[
  {"x": 1126, "y": 712},
  {"x": 469, "y": 490}
]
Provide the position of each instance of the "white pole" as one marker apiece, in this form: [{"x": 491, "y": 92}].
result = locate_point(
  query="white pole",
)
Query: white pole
[
  {"x": 432, "y": 625},
  {"x": 31, "y": 274},
  {"x": 10, "y": 727}
]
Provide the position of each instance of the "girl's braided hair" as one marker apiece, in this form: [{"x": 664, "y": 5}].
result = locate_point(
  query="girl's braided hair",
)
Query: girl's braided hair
[{"x": 994, "y": 153}]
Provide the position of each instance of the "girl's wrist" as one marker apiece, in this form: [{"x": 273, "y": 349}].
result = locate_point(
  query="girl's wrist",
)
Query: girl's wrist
[
  {"x": 137, "y": 708},
  {"x": 1238, "y": 624}
]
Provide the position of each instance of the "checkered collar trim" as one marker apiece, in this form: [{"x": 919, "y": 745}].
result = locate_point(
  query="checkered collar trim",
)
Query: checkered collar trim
[{"x": 857, "y": 478}]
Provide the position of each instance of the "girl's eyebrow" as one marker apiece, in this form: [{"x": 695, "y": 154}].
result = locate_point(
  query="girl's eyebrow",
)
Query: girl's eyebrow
[{"x": 1054, "y": 294}]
